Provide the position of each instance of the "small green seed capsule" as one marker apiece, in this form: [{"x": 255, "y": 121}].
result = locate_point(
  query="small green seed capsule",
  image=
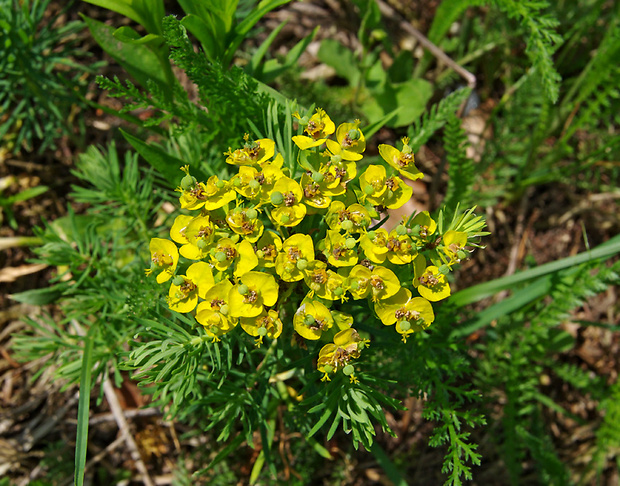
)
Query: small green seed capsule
[
  {"x": 401, "y": 230},
  {"x": 220, "y": 184},
  {"x": 224, "y": 310},
  {"x": 415, "y": 231},
  {"x": 372, "y": 235},
  {"x": 354, "y": 134},
  {"x": 178, "y": 280},
  {"x": 354, "y": 285},
  {"x": 347, "y": 225},
  {"x": 254, "y": 184},
  {"x": 461, "y": 254},
  {"x": 336, "y": 159},
  {"x": 262, "y": 331},
  {"x": 260, "y": 253},
  {"x": 202, "y": 244},
  {"x": 338, "y": 291},
  {"x": 220, "y": 256},
  {"x": 302, "y": 264},
  {"x": 214, "y": 329},
  {"x": 243, "y": 289},
  {"x": 369, "y": 189},
  {"x": 304, "y": 120},
  {"x": 350, "y": 243},
  {"x": 328, "y": 368},
  {"x": 251, "y": 213},
  {"x": 188, "y": 182},
  {"x": 276, "y": 198},
  {"x": 405, "y": 325},
  {"x": 348, "y": 370},
  {"x": 317, "y": 177},
  {"x": 444, "y": 269},
  {"x": 309, "y": 320},
  {"x": 285, "y": 218},
  {"x": 236, "y": 182}
]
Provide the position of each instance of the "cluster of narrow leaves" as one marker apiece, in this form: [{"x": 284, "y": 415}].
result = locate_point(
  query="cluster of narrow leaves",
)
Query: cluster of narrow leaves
[{"x": 289, "y": 246}]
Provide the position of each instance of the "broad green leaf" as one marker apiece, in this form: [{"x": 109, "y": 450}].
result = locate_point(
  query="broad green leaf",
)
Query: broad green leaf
[
  {"x": 411, "y": 97},
  {"x": 140, "y": 61},
  {"x": 148, "y": 13},
  {"x": 130, "y": 36},
  {"x": 334, "y": 54}
]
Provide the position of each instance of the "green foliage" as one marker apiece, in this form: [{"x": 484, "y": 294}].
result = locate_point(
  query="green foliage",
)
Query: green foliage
[
  {"x": 461, "y": 169},
  {"x": 6, "y": 202},
  {"x": 41, "y": 84},
  {"x": 523, "y": 346}
]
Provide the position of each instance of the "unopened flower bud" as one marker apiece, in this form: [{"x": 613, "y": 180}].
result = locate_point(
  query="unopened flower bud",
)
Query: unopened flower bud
[
  {"x": 317, "y": 177},
  {"x": 188, "y": 182},
  {"x": 276, "y": 198},
  {"x": 347, "y": 225},
  {"x": 353, "y": 134}
]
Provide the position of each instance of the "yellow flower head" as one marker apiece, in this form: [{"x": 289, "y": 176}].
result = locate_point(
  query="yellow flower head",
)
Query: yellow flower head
[
  {"x": 340, "y": 250},
  {"x": 354, "y": 219},
  {"x": 402, "y": 161},
  {"x": 257, "y": 185},
  {"x": 334, "y": 357},
  {"x": 256, "y": 152},
  {"x": 379, "y": 282},
  {"x": 319, "y": 194},
  {"x": 409, "y": 314},
  {"x": 185, "y": 290},
  {"x": 374, "y": 245},
  {"x": 351, "y": 142},
  {"x": 200, "y": 235},
  {"x": 400, "y": 248},
  {"x": 245, "y": 222},
  {"x": 214, "y": 312},
  {"x": 254, "y": 291},
  {"x": 322, "y": 282},
  {"x": 218, "y": 193},
  {"x": 268, "y": 247},
  {"x": 286, "y": 197},
  {"x": 164, "y": 259},
  {"x": 372, "y": 184},
  {"x": 297, "y": 252},
  {"x": 227, "y": 252},
  {"x": 397, "y": 193},
  {"x": 312, "y": 319},
  {"x": 267, "y": 323},
  {"x": 318, "y": 128},
  {"x": 454, "y": 245},
  {"x": 423, "y": 226},
  {"x": 432, "y": 284}
]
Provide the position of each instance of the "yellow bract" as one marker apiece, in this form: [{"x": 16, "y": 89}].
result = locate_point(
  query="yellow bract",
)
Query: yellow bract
[
  {"x": 183, "y": 296},
  {"x": 164, "y": 258},
  {"x": 319, "y": 127},
  {"x": 409, "y": 314},
  {"x": 402, "y": 161},
  {"x": 254, "y": 290},
  {"x": 297, "y": 251},
  {"x": 213, "y": 313},
  {"x": 312, "y": 319},
  {"x": 351, "y": 142},
  {"x": 336, "y": 355},
  {"x": 432, "y": 284},
  {"x": 256, "y": 152}
]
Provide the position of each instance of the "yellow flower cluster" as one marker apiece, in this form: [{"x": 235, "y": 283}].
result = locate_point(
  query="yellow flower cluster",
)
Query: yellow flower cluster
[{"x": 272, "y": 238}]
